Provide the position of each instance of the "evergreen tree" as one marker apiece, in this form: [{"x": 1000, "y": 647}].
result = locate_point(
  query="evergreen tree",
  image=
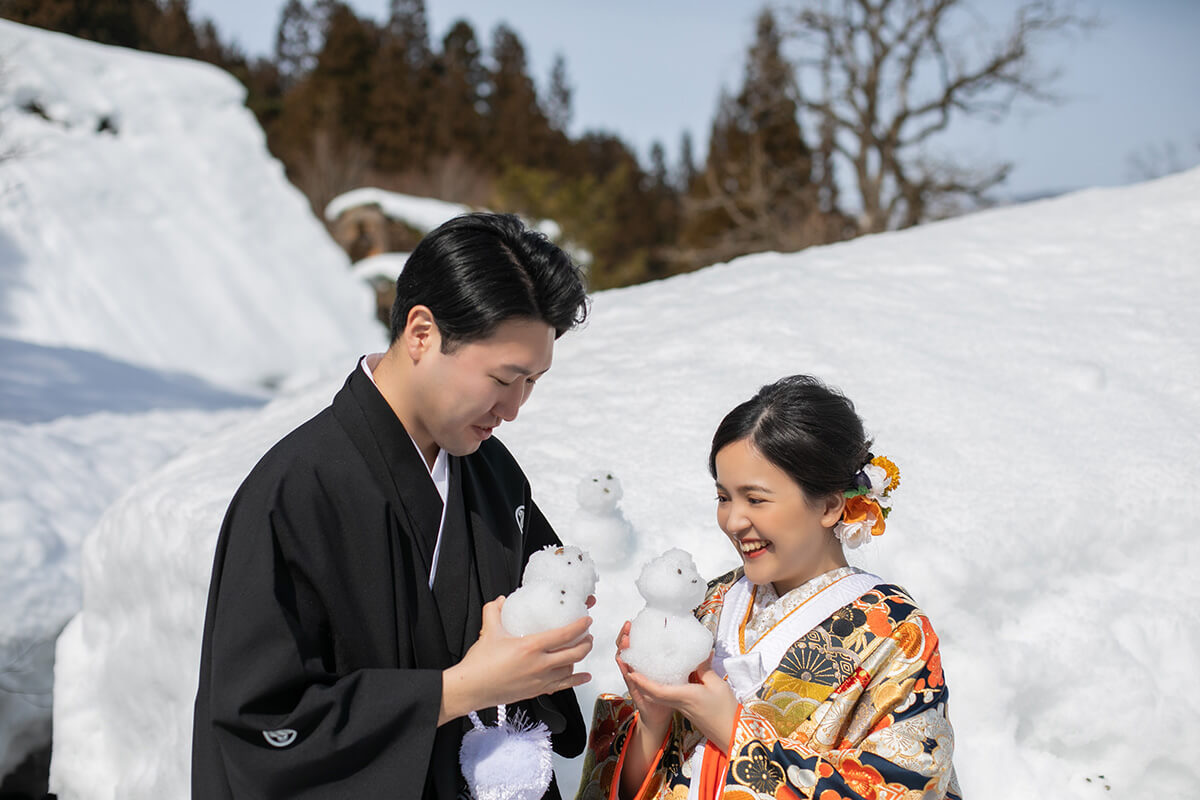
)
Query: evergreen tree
[
  {"x": 558, "y": 97},
  {"x": 173, "y": 32},
  {"x": 126, "y": 23},
  {"x": 297, "y": 42},
  {"x": 342, "y": 75},
  {"x": 402, "y": 76},
  {"x": 517, "y": 130},
  {"x": 756, "y": 191},
  {"x": 407, "y": 27},
  {"x": 457, "y": 108},
  {"x": 686, "y": 172}
]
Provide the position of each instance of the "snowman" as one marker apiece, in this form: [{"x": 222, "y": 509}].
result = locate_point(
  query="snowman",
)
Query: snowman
[
  {"x": 512, "y": 760},
  {"x": 553, "y": 593},
  {"x": 598, "y": 524},
  {"x": 666, "y": 642}
]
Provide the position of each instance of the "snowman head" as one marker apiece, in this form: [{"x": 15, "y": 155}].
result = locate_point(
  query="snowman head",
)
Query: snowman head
[
  {"x": 671, "y": 582},
  {"x": 568, "y": 568},
  {"x": 599, "y": 492}
]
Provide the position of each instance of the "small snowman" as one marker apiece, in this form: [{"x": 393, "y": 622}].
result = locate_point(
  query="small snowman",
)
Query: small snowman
[
  {"x": 512, "y": 760},
  {"x": 666, "y": 642},
  {"x": 553, "y": 593},
  {"x": 598, "y": 524}
]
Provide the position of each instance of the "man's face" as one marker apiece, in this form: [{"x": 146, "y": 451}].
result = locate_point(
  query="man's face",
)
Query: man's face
[{"x": 463, "y": 395}]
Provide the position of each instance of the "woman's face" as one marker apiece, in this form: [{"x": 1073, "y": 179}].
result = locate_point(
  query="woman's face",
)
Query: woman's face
[{"x": 782, "y": 537}]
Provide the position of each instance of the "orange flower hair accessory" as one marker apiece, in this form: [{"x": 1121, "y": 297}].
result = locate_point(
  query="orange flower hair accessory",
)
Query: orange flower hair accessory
[{"x": 868, "y": 503}]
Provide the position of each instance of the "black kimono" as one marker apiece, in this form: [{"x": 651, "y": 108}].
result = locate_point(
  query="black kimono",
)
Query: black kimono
[{"x": 321, "y": 669}]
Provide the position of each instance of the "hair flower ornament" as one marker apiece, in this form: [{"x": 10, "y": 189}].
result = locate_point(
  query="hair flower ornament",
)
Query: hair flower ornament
[{"x": 868, "y": 502}]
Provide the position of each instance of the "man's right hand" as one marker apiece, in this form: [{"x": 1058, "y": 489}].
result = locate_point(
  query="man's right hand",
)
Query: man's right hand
[{"x": 502, "y": 668}]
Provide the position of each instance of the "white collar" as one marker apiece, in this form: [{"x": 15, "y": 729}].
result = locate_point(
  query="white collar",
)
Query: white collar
[{"x": 440, "y": 471}]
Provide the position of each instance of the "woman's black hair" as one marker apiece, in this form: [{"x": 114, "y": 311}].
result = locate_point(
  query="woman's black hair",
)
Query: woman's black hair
[
  {"x": 805, "y": 428},
  {"x": 478, "y": 270}
]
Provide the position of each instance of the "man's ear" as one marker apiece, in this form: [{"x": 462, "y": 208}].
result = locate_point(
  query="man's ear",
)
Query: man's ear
[
  {"x": 421, "y": 333},
  {"x": 831, "y": 509}
]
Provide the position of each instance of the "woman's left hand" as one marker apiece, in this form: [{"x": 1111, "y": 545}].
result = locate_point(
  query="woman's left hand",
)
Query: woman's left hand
[{"x": 706, "y": 700}]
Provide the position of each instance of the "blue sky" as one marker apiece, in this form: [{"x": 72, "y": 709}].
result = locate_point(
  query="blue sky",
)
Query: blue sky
[{"x": 649, "y": 70}]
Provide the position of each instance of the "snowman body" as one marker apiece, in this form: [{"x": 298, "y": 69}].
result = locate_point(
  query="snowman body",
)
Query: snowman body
[
  {"x": 666, "y": 642},
  {"x": 553, "y": 593},
  {"x": 598, "y": 524}
]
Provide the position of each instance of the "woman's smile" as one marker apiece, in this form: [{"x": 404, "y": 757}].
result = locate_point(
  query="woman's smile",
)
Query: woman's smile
[{"x": 753, "y": 548}]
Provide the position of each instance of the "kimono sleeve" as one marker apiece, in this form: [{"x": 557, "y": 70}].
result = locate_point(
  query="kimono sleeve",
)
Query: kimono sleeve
[
  {"x": 284, "y": 723},
  {"x": 882, "y": 734}
]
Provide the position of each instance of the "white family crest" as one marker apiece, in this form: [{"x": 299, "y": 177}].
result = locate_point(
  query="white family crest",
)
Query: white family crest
[
  {"x": 520, "y": 515},
  {"x": 280, "y": 738}
]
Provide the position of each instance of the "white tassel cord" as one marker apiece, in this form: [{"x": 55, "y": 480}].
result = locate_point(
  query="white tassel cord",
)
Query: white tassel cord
[{"x": 511, "y": 761}]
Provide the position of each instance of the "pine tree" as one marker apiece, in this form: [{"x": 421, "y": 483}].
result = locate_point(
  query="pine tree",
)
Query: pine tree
[
  {"x": 517, "y": 130},
  {"x": 558, "y": 96},
  {"x": 402, "y": 76},
  {"x": 756, "y": 191},
  {"x": 686, "y": 172},
  {"x": 297, "y": 42},
  {"x": 342, "y": 74},
  {"x": 459, "y": 85}
]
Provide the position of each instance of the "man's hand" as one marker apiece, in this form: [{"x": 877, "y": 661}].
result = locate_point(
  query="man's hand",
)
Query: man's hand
[{"x": 502, "y": 668}]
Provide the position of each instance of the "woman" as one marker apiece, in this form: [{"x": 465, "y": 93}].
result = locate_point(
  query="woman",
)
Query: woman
[{"x": 825, "y": 681}]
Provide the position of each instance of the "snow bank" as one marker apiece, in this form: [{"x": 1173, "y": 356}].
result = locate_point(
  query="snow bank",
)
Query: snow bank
[
  {"x": 421, "y": 213},
  {"x": 156, "y": 270},
  {"x": 78, "y": 429},
  {"x": 1029, "y": 369},
  {"x": 141, "y": 217}
]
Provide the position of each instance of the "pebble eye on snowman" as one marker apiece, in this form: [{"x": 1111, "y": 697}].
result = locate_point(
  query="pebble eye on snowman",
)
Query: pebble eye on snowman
[{"x": 666, "y": 642}]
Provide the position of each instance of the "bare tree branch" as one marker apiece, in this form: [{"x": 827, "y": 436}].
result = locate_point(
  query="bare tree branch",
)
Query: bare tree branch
[{"x": 873, "y": 57}]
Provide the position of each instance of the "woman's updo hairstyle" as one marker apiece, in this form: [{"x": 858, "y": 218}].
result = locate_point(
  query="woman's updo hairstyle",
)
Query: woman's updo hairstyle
[{"x": 805, "y": 428}]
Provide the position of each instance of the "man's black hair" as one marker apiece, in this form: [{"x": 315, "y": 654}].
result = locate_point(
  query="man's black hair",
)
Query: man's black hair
[{"x": 478, "y": 270}]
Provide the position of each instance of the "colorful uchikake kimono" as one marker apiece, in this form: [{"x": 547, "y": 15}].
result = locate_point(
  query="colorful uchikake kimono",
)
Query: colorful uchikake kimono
[{"x": 841, "y": 696}]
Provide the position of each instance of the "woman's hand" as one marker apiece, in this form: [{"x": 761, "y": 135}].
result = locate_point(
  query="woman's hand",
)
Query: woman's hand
[
  {"x": 656, "y": 717},
  {"x": 653, "y": 722},
  {"x": 706, "y": 700}
]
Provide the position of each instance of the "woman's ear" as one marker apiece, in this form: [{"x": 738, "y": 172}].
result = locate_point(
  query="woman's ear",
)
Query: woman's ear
[
  {"x": 420, "y": 333},
  {"x": 831, "y": 508}
]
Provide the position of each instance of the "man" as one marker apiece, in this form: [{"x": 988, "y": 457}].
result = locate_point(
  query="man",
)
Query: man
[{"x": 348, "y": 633}]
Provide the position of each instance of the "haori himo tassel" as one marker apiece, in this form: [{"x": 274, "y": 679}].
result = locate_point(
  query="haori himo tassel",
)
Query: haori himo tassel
[{"x": 511, "y": 761}]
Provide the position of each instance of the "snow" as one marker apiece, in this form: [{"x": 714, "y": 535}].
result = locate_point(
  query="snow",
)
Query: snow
[
  {"x": 155, "y": 276},
  {"x": 421, "y": 213},
  {"x": 1033, "y": 372},
  {"x": 174, "y": 242}
]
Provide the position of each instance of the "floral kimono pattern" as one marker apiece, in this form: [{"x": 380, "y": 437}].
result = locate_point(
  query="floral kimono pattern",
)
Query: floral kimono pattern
[{"x": 855, "y": 709}]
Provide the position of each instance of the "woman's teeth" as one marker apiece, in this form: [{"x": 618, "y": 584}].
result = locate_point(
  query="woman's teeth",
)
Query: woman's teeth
[{"x": 752, "y": 547}]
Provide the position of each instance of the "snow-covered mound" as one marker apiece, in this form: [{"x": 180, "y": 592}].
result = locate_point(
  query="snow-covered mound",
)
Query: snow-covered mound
[
  {"x": 78, "y": 429},
  {"x": 142, "y": 217},
  {"x": 422, "y": 214},
  {"x": 156, "y": 269},
  {"x": 1032, "y": 370}
]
